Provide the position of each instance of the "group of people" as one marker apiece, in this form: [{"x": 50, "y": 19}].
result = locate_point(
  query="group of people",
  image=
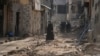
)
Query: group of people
[
  {"x": 65, "y": 27},
  {"x": 50, "y": 34}
]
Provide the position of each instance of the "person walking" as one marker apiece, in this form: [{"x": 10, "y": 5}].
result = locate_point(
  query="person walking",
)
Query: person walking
[
  {"x": 68, "y": 27},
  {"x": 50, "y": 34}
]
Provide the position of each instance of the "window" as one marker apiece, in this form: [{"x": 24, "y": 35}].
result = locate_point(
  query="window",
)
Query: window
[{"x": 61, "y": 9}]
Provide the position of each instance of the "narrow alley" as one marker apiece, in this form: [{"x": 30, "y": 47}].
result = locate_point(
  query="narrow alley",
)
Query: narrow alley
[
  {"x": 49, "y": 27},
  {"x": 63, "y": 45}
]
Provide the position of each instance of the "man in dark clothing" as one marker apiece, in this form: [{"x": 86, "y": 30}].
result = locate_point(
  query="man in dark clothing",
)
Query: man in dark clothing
[
  {"x": 50, "y": 34},
  {"x": 63, "y": 26},
  {"x": 68, "y": 27}
]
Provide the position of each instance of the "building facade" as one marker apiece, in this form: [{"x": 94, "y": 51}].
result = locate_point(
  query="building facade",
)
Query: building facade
[
  {"x": 75, "y": 11},
  {"x": 46, "y": 14},
  {"x": 95, "y": 18},
  {"x": 23, "y": 17},
  {"x": 91, "y": 19}
]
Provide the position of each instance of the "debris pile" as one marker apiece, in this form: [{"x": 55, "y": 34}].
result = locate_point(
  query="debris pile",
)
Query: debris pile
[{"x": 57, "y": 47}]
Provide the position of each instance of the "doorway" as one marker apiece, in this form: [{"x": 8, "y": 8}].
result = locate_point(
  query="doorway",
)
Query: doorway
[
  {"x": 1, "y": 18},
  {"x": 17, "y": 24}
]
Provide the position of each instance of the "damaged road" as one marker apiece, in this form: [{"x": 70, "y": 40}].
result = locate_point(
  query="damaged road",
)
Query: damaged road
[{"x": 34, "y": 46}]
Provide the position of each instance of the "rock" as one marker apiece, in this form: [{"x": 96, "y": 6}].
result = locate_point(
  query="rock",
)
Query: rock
[
  {"x": 6, "y": 40},
  {"x": 4, "y": 55},
  {"x": 12, "y": 52},
  {"x": 17, "y": 47},
  {"x": 28, "y": 35},
  {"x": 1, "y": 42}
]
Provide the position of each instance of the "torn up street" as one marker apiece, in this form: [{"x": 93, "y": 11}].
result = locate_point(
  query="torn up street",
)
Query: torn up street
[
  {"x": 49, "y": 27},
  {"x": 61, "y": 46}
]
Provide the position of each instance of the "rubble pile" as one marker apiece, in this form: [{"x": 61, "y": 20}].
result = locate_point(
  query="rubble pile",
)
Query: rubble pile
[
  {"x": 57, "y": 47},
  {"x": 52, "y": 48},
  {"x": 92, "y": 49}
]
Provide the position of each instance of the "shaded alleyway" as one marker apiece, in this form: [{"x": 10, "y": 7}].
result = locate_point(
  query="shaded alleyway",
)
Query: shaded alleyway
[{"x": 75, "y": 24}]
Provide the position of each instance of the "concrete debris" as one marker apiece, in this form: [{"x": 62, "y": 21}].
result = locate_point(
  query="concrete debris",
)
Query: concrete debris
[{"x": 57, "y": 47}]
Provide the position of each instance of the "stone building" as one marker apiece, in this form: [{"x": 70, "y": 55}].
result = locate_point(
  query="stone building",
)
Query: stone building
[
  {"x": 95, "y": 18},
  {"x": 22, "y": 17},
  {"x": 92, "y": 16}
]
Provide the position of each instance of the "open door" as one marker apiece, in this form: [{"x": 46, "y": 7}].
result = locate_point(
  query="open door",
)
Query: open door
[
  {"x": 1, "y": 17},
  {"x": 17, "y": 24}
]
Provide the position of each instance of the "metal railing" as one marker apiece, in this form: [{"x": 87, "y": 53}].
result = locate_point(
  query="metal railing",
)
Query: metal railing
[
  {"x": 82, "y": 34},
  {"x": 83, "y": 28}
]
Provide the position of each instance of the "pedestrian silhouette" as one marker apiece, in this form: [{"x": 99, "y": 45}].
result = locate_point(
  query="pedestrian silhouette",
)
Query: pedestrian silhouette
[{"x": 50, "y": 34}]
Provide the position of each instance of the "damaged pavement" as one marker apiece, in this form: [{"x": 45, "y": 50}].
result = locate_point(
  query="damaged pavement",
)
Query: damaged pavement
[{"x": 37, "y": 46}]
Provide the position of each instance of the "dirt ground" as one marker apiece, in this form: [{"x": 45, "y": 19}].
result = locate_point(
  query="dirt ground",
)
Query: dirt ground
[{"x": 63, "y": 45}]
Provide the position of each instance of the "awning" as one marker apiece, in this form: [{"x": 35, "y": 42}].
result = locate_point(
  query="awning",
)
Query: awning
[{"x": 45, "y": 6}]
